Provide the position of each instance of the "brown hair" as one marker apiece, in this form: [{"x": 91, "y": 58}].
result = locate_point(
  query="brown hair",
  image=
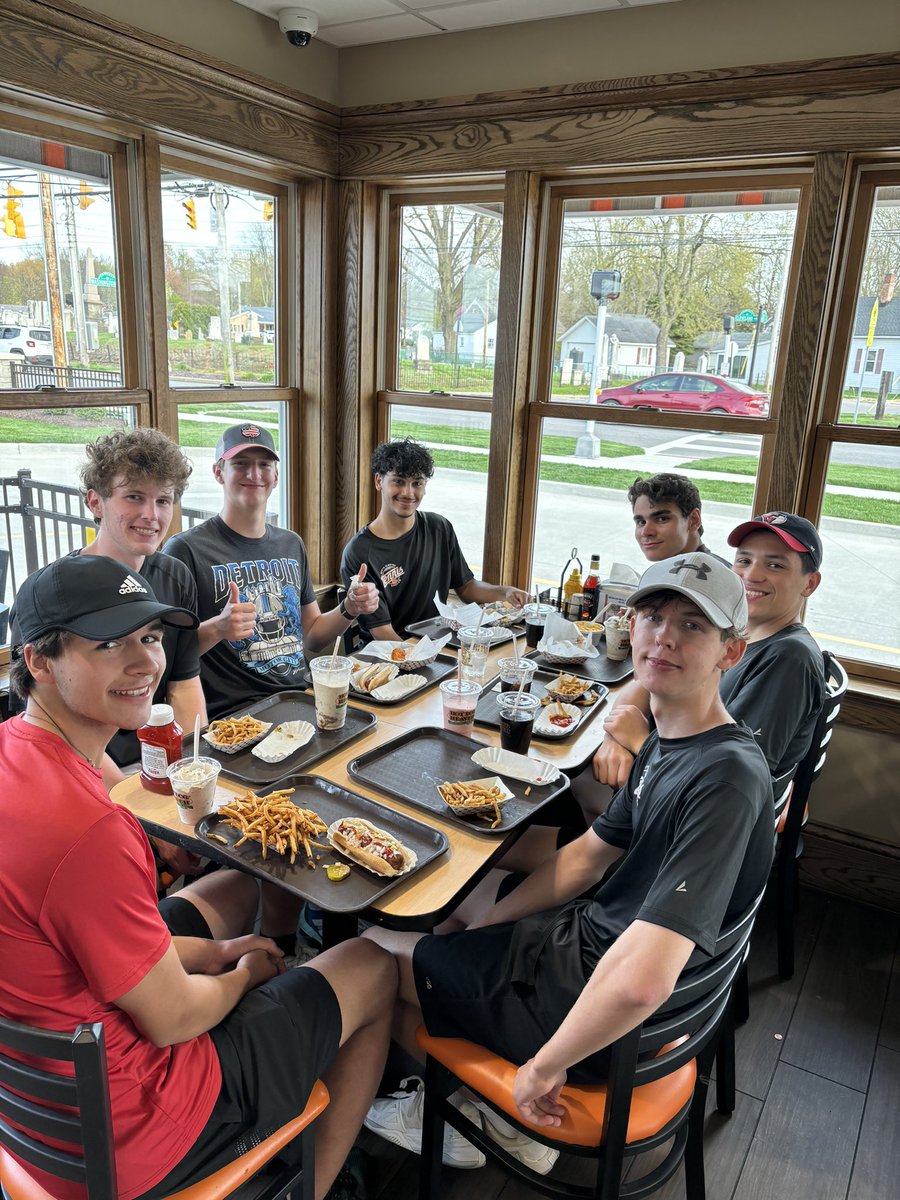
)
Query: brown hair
[
  {"x": 136, "y": 454},
  {"x": 48, "y": 645}
]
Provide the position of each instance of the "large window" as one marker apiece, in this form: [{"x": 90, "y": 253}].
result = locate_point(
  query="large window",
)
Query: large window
[
  {"x": 855, "y": 612},
  {"x": 221, "y": 282},
  {"x": 582, "y": 502},
  {"x": 59, "y": 268},
  {"x": 446, "y": 296},
  {"x": 672, "y": 301}
]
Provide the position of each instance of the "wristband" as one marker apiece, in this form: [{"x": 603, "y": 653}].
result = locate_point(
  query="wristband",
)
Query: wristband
[{"x": 342, "y": 609}]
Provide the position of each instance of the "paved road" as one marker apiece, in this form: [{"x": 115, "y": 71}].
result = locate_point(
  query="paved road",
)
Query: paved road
[{"x": 856, "y": 611}]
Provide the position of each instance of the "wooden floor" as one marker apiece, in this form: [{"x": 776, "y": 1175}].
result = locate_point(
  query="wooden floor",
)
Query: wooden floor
[{"x": 818, "y": 1075}]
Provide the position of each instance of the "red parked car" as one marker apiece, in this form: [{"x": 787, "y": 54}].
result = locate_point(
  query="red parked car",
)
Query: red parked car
[{"x": 684, "y": 392}]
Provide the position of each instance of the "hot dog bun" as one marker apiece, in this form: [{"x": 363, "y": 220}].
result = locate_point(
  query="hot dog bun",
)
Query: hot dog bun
[
  {"x": 373, "y": 848},
  {"x": 369, "y": 676}
]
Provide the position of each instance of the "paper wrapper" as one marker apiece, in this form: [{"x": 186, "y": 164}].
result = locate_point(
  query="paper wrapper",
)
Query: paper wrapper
[
  {"x": 419, "y": 654},
  {"x": 562, "y": 642},
  {"x": 461, "y": 616}
]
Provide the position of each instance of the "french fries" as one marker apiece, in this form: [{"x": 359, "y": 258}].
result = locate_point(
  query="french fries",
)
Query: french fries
[
  {"x": 275, "y": 822},
  {"x": 232, "y": 731},
  {"x": 474, "y": 798},
  {"x": 568, "y": 685}
]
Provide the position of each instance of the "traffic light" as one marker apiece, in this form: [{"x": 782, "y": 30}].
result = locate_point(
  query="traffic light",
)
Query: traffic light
[
  {"x": 86, "y": 199},
  {"x": 190, "y": 208},
  {"x": 13, "y": 222},
  {"x": 268, "y": 210}
]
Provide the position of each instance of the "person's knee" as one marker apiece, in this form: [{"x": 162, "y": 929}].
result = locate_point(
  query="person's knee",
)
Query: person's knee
[{"x": 379, "y": 965}]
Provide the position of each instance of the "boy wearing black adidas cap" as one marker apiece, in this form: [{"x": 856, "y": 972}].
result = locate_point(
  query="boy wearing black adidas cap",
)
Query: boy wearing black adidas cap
[
  {"x": 564, "y": 964},
  {"x": 257, "y": 608},
  {"x": 208, "y": 1043}
]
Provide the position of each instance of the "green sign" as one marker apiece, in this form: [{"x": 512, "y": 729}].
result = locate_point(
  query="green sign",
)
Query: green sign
[
  {"x": 749, "y": 315},
  {"x": 105, "y": 279}
]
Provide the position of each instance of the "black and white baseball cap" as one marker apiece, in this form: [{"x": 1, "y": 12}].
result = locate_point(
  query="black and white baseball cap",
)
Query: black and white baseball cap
[
  {"x": 703, "y": 578},
  {"x": 244, "y": 437},
  {"x": 92, "y": 596}
]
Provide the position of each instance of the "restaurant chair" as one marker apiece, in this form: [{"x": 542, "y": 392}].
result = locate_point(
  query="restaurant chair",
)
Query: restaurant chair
[
  {"x": 43, "y": 1103},
  {"x": 790, "y": 843},
  {"x": 655, "y": 1092}
]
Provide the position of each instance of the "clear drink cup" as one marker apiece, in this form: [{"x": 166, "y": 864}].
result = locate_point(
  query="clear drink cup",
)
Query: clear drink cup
[
  {"x": 517, "y": 713},
  {"x": 459, "y": 698},
  {"x": 515, "y": 672},
  {"x": 535, "y": 619},
  {"x": 194, "y": 787},
  {"x": 331, "y": 687},
  {"x": 475, "y": 646}
]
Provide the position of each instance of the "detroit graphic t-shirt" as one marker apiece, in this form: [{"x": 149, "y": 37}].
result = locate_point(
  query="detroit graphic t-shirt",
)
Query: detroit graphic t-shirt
[{"x": 272, "y": 572}]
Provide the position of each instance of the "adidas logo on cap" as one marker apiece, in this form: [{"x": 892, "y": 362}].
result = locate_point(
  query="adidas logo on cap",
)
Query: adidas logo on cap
[{"x": 130, "y": 584}]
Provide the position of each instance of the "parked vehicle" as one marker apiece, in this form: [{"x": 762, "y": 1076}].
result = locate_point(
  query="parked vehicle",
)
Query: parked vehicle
[
  {"x": 686, "y": 392},
  {"x": 33, "y": 342}
]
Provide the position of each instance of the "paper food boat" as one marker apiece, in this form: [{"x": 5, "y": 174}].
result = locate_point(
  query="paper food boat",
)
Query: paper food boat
[
  {"x": 547, "y": 728},
  {"x": 405, "y": 685},
  {"x": 516, "y": 766},
  {"x": 492, "y": 781},
  {"x": 283, "y": 741},
  {"x": 233, "y": 749}
]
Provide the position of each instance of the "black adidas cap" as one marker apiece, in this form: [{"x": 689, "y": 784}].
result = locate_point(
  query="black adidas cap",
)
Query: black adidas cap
[{"x": 92, "y": 596}]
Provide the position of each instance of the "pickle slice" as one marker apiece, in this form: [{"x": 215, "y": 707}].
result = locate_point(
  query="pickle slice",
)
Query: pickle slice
[{"x": 337, "y": 871}]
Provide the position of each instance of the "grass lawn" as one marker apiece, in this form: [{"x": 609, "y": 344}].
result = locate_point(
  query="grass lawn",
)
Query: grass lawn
[
  {"x": 875, "y": 479},
  {"x": 454, "y": 435}
]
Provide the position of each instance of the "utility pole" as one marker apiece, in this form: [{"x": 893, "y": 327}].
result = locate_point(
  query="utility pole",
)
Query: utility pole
[
  {"x": 81, "y": 342},
  {"x": 51, "y": 269},
  {"x": 220, "y": 202}
]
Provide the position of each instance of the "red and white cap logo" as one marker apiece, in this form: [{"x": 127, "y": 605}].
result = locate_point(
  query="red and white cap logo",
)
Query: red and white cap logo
[{"x": 249, "y": 431}]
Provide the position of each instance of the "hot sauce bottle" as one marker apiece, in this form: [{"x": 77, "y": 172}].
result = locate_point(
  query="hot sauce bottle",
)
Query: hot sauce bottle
[{"x": 160, "y": 741}]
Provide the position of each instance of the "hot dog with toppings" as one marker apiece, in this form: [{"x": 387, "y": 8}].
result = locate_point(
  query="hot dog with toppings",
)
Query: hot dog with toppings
[{"x": 371, "y": 847}]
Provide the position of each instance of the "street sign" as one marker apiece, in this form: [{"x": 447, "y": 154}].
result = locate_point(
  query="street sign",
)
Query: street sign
[
  {"x": 749, "y": 315},
  {"x": 873, "y": 321},
  {"x": 105, "y": 279}
]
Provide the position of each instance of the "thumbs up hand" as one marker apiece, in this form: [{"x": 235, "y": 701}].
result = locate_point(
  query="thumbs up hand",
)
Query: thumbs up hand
[
  {"x": 237, "y": 619},
  {"x": 361, "y": 597}
]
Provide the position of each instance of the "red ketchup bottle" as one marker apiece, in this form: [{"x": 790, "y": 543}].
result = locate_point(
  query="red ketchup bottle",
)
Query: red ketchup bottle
[{"x": 160, "y": 741}]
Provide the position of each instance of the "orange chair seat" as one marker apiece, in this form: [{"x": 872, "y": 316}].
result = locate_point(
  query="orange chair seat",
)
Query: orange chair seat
[
  {"x": 19, "y": 1185},
  {"x": 653, "y": 1105}
]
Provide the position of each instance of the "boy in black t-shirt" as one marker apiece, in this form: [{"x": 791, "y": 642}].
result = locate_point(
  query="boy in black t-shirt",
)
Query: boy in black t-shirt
[
  {"x": 564, "y": 965},
  {"x": 410, "y": 555}
]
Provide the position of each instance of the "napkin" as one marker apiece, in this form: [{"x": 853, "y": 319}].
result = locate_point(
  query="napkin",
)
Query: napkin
[
  {"x": 464, "y": 615},
  {"x": 424, "y": 650},
  {"x": 561, "y": 638}
]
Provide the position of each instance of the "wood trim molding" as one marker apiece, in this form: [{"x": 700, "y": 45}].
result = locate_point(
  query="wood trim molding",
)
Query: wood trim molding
[
  {"x": 66, "y": 53},
  {"x": 511, "y": 371},
  {"x": 847, "y": 864}
]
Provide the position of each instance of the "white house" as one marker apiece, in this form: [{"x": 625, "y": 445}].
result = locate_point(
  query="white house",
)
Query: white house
[
  {"x": 630, "y": 346},
  {"x": 255, "y": 323}
]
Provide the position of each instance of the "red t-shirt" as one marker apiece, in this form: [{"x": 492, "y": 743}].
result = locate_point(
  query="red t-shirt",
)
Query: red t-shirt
[{"x": 79, "y": 926}]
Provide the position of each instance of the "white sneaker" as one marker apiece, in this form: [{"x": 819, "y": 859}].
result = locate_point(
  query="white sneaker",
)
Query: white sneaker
[
  {"x": 398, "y": 1119},
  {"x": 534, "y": 1155}
]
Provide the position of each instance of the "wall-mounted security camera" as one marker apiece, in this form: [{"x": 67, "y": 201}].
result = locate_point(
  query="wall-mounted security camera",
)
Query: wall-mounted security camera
[{"x": 298, "y": 25}]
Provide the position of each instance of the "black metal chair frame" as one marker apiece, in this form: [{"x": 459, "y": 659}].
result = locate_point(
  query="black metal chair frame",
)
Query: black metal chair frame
[
  {"x": 697, "y": 1008},
  {"x": 790, "y": 842},
  {"x": 30, "y": 1096}
]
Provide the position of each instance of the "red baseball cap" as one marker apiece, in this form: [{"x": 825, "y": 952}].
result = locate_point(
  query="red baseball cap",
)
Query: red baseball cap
[{"x": 244, "y": 437}]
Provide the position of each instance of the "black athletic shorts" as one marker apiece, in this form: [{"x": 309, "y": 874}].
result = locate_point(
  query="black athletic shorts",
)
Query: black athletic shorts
[{"x": 272, "y": 1047}]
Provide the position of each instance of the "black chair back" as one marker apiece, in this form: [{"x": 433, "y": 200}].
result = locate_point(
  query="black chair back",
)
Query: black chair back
[
  {"x": 808, "y": 771},
  {"x": 84, "y": 1121}
]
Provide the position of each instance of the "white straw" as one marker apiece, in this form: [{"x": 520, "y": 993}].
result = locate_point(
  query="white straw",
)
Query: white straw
[
  {"x": 515, "y": 649},
  {"x": 337, "y": 642},
  {"x": 196, "y": 737}
]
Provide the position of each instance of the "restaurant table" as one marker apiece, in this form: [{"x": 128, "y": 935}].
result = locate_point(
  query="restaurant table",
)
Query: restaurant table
[{"x": 431, "y": 893}]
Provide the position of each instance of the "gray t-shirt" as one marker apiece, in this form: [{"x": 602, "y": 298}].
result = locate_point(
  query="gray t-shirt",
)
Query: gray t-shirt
[
  {"x": 273, "y": 572},
  {"x": 407, "y": 571},
  {"x": 778, "y": 689}
]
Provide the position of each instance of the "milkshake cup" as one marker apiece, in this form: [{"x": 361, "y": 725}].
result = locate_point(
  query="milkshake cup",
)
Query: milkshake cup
[
  {"x": 194, "y": 786},
  {"x": 331, "y": 686},
  {"x": 459, "y": 699},
  {"x": 618, "y": 638}
]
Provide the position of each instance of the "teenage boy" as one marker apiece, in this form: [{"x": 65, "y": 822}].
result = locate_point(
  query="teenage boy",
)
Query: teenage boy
[
  {"x": 132, "y": 481},
  {"x": 666, "y": 512},
  {"x": 778, "y": 689},
  {"x": 257, "y": 608},
  {"x": 208, "y": 1043},
  {"x": 410, "y": 555},
  {"x": 565, "y": 964}
]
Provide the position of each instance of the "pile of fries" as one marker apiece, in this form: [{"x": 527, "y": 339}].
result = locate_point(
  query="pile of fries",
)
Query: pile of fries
[
  {"x": 474, "y": 798},
  {"x": 235, "y": 730},
  {"x": 568, "y": 685},
  {"x": 275, "y": 822}
]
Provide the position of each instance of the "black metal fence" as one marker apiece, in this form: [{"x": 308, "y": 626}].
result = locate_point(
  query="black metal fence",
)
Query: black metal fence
[{"x": 36, "y": 375}]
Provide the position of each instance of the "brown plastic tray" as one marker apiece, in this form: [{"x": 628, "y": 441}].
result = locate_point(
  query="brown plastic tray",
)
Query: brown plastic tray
[
  {"x": 285, "y": 706},
  {"x": 598, "y": 670},
  {"x": 331, "y": 802},
  {"x": 487, "y": 711},
  {"x": 411, "y": 766}
]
